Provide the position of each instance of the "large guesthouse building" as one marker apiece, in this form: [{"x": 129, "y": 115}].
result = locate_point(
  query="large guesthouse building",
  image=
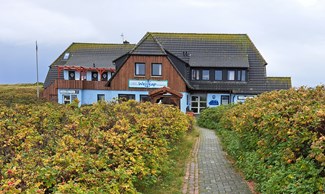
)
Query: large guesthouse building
[{"x": 192, "y": 71}]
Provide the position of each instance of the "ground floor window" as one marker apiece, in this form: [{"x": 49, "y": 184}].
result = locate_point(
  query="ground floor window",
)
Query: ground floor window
[
  {"x": 198, "y": 103},
  {"x": 224, "y": 100},
  {"x": 67, "y": 99},
  {"x": 126, "y": 97},
  {"x": 100, "y": 97},
  {"x": 144, "y": 98}
]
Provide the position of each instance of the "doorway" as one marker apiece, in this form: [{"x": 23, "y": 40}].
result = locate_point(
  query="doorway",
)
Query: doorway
[{"x": 198, "y": 103}]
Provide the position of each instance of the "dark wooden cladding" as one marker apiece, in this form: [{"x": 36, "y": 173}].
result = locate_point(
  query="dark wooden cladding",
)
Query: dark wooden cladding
[{"x": 127, "y": 71}]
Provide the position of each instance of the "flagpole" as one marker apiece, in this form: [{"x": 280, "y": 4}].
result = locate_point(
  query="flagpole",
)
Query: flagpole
[{"x": 37, "y": 71}]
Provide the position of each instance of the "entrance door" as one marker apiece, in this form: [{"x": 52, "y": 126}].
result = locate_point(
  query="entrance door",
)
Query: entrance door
[{"x": 198, "y": 103}]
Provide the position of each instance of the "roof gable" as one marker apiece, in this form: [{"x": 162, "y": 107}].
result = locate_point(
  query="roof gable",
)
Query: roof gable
[{"x": 148, "y": 45}]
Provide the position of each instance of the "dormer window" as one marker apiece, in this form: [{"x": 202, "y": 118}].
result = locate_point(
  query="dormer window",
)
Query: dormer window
[
  {"x": 66, "y": 56},
  {"x": 218, "y": 75},
  {"x": 72, "y": 75},
  {"x": 94, "y": 76},
  {"x": 195, "y": 74},
  {"x": 205, "y": 75},
  {"x": 231, "y": 75}
]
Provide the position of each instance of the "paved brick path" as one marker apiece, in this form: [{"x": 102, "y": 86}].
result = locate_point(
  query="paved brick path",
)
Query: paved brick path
[{"x": 209, "y": 171}]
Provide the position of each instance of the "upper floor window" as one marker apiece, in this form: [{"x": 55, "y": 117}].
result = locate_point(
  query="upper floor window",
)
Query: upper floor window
[
  {"x": 156, "y": 69},
  {"x": 205, "y": 75},
  {"x": 243, "y": 75},
  {"x": 231, "y": 75},
  {"x": 218, "y": 75},
  {"x": 104, "y": 76},
  {"x": 72, "y": 75},
  {"x": 140, "y": 69},
  {"x": 94, "y": 76},
  {"x": 195, "y": 74}
]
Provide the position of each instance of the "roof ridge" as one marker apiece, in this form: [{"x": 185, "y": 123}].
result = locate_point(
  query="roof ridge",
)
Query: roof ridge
[
  {"x": 197, "y": 33},
  {"x": 97, "y": 43}
]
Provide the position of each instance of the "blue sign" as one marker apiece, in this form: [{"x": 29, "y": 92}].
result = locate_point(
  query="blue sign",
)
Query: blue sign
[{"x": 147, "y": 83}]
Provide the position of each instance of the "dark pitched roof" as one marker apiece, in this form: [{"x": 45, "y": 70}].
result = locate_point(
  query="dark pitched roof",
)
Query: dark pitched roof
[
  {"x": 148, "y": 45},
  {"x": 278, "y": 83},
  {"x": 87, "y": 54},
  {"x": 203, "y": 50}
]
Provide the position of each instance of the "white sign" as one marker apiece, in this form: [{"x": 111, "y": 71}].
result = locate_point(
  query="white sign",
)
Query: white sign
[
  {"x": 69, "y": 91},
  {"x": 147, "y": 83}
]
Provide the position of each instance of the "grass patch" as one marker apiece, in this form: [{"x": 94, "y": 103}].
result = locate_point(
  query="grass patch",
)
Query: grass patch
[{"x": 172, "y": 180}]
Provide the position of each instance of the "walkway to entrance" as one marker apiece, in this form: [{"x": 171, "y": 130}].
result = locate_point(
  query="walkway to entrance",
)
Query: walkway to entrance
[{"x": 209, "y": 170}]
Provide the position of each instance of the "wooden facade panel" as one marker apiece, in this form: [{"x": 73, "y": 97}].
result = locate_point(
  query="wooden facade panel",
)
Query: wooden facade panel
[{"x": 121, "y": 80}]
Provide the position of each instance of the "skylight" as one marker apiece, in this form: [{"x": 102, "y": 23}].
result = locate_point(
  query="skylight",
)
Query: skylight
[{"x": 66, "y": 56}]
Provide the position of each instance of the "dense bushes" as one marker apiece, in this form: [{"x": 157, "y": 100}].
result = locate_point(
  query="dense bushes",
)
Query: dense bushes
[
  {"x": 104, "y": 148},
  {"x": 210, "y": 117},
  {"x": 278, "y": 140}
]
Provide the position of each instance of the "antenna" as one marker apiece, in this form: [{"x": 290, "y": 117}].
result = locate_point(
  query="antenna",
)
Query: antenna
[{"x": 37, "y": 70}]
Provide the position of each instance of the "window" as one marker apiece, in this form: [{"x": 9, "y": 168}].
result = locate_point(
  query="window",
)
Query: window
[
  {"x": 198, "y": 103},
  {"x": 94, "y": 76},
  {"x": 218, "y": 75},
  {"x": 231, "y": 75},
  {"x": 66, "y": 99},
  {"x": 72, "y": 75},
  {"x": 100, "y": 97},
  {"x": 126, "y": 97},
  {"x": 224, "y": 100},
  {"x": 140, "y": 69},
  {"x": 205, "y": 75},
  {"x": 195, "y": 74},
  {"x": 238, "y": 78},
  {"x": 73, "y": 97},
  {"x": 243, "y": 75},
  {"x": 156, "y": 69},
  {"x": 144, "y": 98},
  {"x": 66, "y": 56},
  {"x": 104, "y": 76}
]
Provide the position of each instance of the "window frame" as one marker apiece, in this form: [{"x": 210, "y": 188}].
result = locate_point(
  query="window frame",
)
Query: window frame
[
  {"x": 126, "y": 97},
  {"x": 215, "y": 74},
  {"x": 228, "y": 75},
  {"x": 208, "y": 78},
  {"x": 74, "y": 75},
  {"x": 100, "y": 97},
  {"x": 92, "y": 76},
  {"x": 139, "y": 73},
  {"x": 195, "y": 74},
  {"x": 152, "y": 69},
  {"x": 143, "y": 96}
]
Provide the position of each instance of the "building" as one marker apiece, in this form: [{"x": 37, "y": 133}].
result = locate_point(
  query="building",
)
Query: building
[{"x": 200, "y": 70}]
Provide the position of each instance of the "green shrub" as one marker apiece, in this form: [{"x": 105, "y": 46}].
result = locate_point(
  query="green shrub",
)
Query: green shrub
[
  {"x": 104, "y": 148},
  {"x": 210, "y": 117},
  {"x": 278, "y": 140}
]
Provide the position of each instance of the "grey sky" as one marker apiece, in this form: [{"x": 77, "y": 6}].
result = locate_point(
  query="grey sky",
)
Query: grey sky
[{"x": 290, "y": 34}]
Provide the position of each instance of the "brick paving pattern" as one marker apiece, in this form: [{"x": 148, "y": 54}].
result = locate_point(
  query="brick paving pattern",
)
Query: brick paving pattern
[{"x": 216, "y": 175}]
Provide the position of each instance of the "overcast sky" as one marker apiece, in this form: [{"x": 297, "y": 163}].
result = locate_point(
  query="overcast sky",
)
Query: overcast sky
[{"x": 290, "y": 34}]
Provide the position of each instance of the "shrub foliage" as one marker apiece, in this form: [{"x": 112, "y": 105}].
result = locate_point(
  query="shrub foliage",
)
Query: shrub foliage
[
  {"x": 103, "y": 148},
  {"x": 278, "y": 140}
]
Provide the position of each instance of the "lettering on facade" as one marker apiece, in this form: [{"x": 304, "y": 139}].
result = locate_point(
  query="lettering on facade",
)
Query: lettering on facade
[
  {"x": 69, "y": 91},
  {"x": 148, "y": 83}
]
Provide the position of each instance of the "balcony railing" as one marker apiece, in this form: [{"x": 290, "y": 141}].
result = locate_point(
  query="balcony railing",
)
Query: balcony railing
[{"x": 82, "y": 84}]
